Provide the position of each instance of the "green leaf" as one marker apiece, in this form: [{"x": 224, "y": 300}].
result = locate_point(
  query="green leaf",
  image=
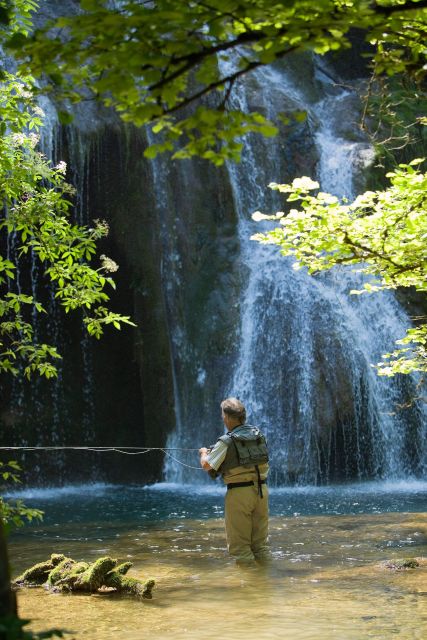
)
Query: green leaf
[
  {"x": 65, "y": 117},
  {"x": 17, "y": 41}
]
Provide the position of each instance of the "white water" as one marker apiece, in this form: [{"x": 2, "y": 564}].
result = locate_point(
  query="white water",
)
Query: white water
[{"x": 306, "y": 346}]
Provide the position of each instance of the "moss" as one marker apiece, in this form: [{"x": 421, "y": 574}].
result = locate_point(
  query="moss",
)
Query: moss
[
  {"x": 39, "y": 573},
  {"x": 405, "y": 563},
  {"x": 65, "y": 574},
  {"x": 122, "y": 568},
  {"x": 60, "y": 571},
  {"x": 132, "y": 586},
  {"x": 115, "y": 578},
  {"x": 94, "y": 576},
  {"x": 136, "y": 587}
]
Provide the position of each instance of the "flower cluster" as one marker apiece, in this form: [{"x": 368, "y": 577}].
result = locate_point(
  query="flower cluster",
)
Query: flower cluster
[
  {"x": 61, "y": 167},
  {"x": 108, "y": 264},
  {"x": 102, "y": 227},
  {"x": 38, "y": 111},
  {"x": 22, "y": 139},
  {"x": 21, "y": 92}
]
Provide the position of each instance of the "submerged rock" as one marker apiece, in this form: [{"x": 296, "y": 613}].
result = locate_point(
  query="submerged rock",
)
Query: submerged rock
[
  {"x": 402, "y": 563},
  {"x": 105, "y": 575}
]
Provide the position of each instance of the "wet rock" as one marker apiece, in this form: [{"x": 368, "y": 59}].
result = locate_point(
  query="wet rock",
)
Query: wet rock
[
  {"x": 39, "y": 573},
  {"x": 61, "y": 574},
  {"x": 400, "y": 564}
]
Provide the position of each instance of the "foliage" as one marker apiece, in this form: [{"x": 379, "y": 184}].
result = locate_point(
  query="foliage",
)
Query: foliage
[
  {"x": 393, "y": 115},
  {"x": 155, "y": 61},
  {"x": 14, "y": 513},
  {"x": 37, "y": 200},
  {"x": 174, "y": 65},
  {"x": 382, "y": 234}
]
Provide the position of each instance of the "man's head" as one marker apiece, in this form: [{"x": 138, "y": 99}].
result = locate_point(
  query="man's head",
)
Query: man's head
[{"x": 233, "y": 413}]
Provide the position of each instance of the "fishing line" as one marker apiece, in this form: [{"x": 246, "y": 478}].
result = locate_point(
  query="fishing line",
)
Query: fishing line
[{"x": 130, "y": 451}]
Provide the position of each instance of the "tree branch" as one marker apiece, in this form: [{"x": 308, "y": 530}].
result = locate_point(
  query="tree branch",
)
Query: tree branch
[{"x": 228, "y": 79}]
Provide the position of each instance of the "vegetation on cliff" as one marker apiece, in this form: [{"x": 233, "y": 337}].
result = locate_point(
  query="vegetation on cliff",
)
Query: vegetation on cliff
[
  {"x": 155, "y": 62},
  {"x": 37, "y": 200},
  {"x": 382, "y": 234}
]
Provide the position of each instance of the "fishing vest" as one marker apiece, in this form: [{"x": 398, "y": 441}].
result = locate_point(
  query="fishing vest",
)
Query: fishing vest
[{"x": 247, "y": 448}]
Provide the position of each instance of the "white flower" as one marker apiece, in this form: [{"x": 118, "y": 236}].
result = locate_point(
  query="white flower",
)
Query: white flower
[
  {"x": 327, "y": 198},
  {"x": 102, "y": 227},
  {"x": 33, "y": 139},
  {"x": 18, "y": 138},
  {"x": 108, "y": 264},
  {"x": 305, "y": 183},
  {"x": 21, "y": 92},
  {"x": 61, "y": 167},
  {"x": 38, "y": 111},
  {"x": 296, "y": 266},
  {"x": 258, "y": 216}
]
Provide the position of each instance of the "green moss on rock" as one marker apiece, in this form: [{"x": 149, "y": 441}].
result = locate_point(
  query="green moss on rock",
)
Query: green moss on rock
[
  {"x": 403, "y": 563},
  {"x": 60, "y": 571},
  {"x": 39, "y": 573},
  {"x": 105, "y": 575}
]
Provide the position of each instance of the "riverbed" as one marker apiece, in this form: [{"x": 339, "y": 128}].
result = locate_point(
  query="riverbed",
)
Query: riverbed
[{"x": 328, "y": 578}]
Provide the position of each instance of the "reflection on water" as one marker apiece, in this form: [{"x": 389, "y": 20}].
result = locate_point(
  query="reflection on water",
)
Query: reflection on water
[{"x": 326, "y": 580}]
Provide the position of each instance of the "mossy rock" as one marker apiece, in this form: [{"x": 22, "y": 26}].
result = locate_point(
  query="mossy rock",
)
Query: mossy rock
[
  {"x": 401, "y": 564},
  {"x": 95, "y": 575},
  {"x": 133, "y": 586},
  {"x": 104, "y": 575},
  {"x": 60, "y": 571},
  {"x": 65, "y": 574},
  {"x": 39, "y": 573}
]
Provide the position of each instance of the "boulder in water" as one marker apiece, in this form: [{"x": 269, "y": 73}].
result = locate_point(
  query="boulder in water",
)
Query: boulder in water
[{"x": 105, "y": 575}]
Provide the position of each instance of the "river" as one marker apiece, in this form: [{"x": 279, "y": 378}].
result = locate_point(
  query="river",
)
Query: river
[{"x": 327, "y": 579}]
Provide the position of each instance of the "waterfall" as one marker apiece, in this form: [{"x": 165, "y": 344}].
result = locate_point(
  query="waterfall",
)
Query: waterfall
[
  {"x": 306, "y": 348},
  {"x": 42, "y": 410},
  {"x": 170, "y": 267},
  {"x": 218, "y": 314}
]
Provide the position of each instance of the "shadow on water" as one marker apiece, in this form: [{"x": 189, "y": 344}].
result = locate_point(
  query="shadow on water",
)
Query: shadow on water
[{"x": 327, "y": 578}]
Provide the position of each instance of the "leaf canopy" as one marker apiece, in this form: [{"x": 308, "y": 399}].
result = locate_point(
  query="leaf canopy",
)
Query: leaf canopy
[{"x": 155, "y": 61}]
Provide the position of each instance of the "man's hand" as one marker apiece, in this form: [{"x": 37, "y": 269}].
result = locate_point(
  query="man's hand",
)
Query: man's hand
[{"x": 203, "y": 462}]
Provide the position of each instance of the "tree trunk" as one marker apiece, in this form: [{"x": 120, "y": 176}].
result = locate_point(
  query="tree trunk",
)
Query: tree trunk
[{"x": 7, "y": 596}]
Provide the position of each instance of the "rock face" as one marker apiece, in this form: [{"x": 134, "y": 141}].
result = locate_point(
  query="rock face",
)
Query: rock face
[{"x": 216, "y": 314}]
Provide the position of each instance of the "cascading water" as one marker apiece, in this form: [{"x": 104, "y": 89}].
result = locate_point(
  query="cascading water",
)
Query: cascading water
[
  {"x": 306, "y": 347},
  {"x": 170, "y": 266},
  {"x": 46, "y": 406},
  {"x": 218, "y": 314}
]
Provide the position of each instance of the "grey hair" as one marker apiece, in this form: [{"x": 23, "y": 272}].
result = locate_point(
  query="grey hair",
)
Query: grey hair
[{"x": 234, "y": 408}]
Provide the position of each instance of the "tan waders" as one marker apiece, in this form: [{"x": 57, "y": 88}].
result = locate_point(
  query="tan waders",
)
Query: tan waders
[{"x": 246, "y": 523}]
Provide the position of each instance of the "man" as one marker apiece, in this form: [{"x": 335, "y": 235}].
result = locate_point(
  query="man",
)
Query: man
[{"x": 241, "y": 458}]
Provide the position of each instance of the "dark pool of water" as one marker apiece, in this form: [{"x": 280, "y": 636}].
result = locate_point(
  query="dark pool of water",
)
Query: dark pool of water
[{"x": 164, "y": 501}]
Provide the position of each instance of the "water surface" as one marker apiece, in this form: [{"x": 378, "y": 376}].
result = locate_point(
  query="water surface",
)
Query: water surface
[{"x": 327, "y": 579}]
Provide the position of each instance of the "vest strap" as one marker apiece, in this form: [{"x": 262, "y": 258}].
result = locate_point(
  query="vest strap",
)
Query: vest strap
[{"x": 259, "y": 482}]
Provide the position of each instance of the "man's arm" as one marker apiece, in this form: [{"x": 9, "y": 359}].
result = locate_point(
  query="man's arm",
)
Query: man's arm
[{"x": 213, "y": 458}]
